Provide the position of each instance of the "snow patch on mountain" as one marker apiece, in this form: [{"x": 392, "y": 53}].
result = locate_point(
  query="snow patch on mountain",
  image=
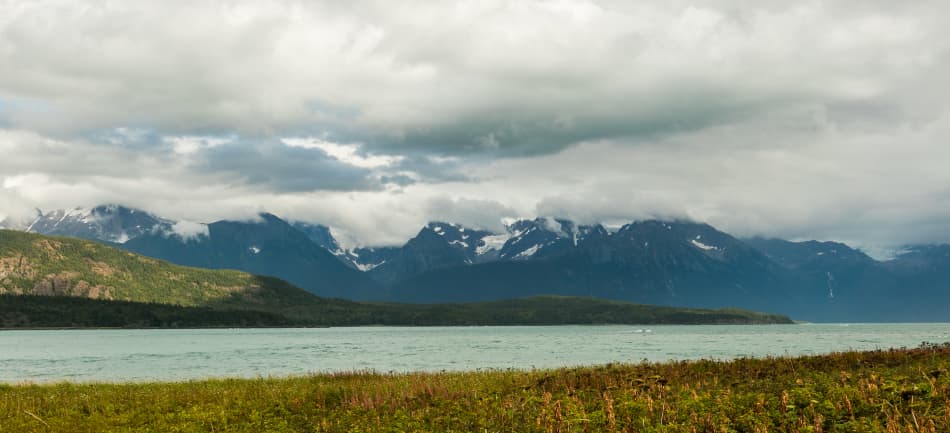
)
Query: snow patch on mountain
[
  {"x": 528, "y": 252},
  {"x": 29, "y": 228},
  {"x": 492, "y": 243},
  {"x": 516, "y": 234},
  {"x": 86, "y": 215},
  {"x": 702, "y": 246},
  {"x": 366, "y": 267},
  {"x": 79, "y": 214}
]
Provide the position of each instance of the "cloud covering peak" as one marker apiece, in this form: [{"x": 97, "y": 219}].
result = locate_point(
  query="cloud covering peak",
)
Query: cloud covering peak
[{"x": 811, "y": 119}]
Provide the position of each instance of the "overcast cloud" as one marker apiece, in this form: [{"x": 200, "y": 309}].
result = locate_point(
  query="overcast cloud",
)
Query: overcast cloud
[{"x": 811, "y": 119}]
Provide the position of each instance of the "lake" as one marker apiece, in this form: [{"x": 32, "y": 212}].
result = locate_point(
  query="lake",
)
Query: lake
[{"x": 166, "y": 355}]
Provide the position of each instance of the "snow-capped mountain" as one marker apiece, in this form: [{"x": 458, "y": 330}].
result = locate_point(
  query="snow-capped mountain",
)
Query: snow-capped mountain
[
  {"x": 360, "y": 258},
  {"x": 110, "y": 223},
  {"x": 674, "y": 240},
  {"x": 369, "y": 258},
  {"x": 264, "y": 246},
  {"x": 670, "y": 263},
  {"x": 661, "y": 262},
  {"x": 441, "y": 245},
  {"x": 545, "y": 237},
  {"x": 437, "y": 245}
]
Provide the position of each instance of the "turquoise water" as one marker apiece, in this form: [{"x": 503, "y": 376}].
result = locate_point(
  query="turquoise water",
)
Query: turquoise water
[{"x": 145, "y": 355}]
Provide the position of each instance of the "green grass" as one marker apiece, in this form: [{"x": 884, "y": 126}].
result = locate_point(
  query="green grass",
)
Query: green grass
[
  {"x": 906, "y": 390},
  {"x": 32, "y": 264}
]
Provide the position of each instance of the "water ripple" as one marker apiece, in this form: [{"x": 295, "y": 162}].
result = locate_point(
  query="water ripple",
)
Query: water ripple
[{"x": 139, "y": 355}]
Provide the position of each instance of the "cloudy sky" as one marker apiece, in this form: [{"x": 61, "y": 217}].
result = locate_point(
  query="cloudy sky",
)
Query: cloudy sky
[{"x": 810, "y": 119}]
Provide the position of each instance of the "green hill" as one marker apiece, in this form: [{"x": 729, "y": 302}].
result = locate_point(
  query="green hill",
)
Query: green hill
[
  {"x": 57, "y": 266},
  {"x": 50, "y": 281}
]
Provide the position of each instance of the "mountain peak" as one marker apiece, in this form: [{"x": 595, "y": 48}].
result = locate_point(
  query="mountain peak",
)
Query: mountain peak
[
  {"x": 109, "y": 222},
  {"x": 807, "y": 253},
  {"x": 443, "y": 229},
  {"x": 545, "y": 237},
  {"x": 270, "y": 218},
  {"x": 455, "y": 235},
  {"x": 443, "y": 225},
  {"x": 320, "y": 235}
]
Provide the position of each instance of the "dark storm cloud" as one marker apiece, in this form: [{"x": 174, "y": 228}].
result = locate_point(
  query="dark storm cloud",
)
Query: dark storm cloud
[
  {"x": 426, "y": 168},
  {"x": 503, "y": 78},
  {"x": 273, "y": 165}
]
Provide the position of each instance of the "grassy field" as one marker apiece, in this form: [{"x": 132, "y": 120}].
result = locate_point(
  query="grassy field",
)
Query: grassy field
[{"x": 905, "y": 391}]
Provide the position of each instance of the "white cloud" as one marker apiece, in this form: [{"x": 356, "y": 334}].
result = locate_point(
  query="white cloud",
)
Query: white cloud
[
  {"x": 796, "y": 119},
  {"x": 188, "y": 230},
  {"x": 456, "y": 75},
  {"x": 346, "y": 153},
  {"x": 191, "y": 144}
]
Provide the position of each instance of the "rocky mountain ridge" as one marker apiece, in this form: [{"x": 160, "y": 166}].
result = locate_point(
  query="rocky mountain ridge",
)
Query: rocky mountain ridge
[{"x": 659, "y": 262}]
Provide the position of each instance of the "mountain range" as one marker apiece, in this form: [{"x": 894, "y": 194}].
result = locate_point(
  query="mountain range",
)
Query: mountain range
[
  {"x": 678, "y": 263},
  {"x": 54, "y": 281}
]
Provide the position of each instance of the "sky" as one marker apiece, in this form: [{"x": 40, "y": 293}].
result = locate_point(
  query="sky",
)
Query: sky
[{"x": 802, "y": 120}]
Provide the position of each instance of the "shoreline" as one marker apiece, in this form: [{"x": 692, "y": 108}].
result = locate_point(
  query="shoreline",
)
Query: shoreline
[
  {"x": 382, "y": 373},
  {"x": 482, "y": 370},
  {"x": 119, "y": 328},
  {"x": 864, "y": 390}
]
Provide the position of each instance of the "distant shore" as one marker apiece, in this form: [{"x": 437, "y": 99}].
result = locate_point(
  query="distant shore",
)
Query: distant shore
[
  {"x": 64, "y": 312},
  {"x": 159, "y": 328}
]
